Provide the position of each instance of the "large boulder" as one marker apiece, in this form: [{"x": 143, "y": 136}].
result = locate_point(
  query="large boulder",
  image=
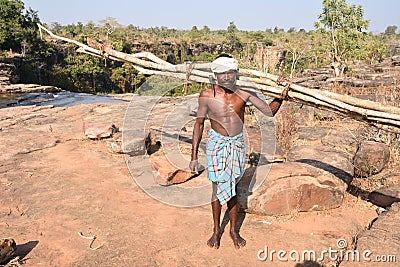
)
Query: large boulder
[
  {"x": 371, "y": 158},
  {"x": 291, "y": 187},
  {"x": 328, "y": 159},
  {"x": 331, "y": 149}
]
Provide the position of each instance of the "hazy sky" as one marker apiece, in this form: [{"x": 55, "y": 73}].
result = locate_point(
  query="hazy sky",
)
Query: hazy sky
[{"x": 216, "y": 14}]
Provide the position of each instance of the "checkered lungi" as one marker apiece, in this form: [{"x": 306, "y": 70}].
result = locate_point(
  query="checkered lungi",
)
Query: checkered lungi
[{"x": 226, "y": 161}]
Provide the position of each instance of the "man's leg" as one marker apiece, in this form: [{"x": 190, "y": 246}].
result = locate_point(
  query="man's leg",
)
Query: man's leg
[
  {"x": 233, "y": 208},
  {"x": 214, "y": 240}
]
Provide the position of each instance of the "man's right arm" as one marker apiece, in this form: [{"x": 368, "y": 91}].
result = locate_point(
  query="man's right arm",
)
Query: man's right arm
[
  {"x": 198, "y": 131},
  {"x": 197, "y": 134}
]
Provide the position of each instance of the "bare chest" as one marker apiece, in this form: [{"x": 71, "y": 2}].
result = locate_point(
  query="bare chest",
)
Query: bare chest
[{"x": 227, "y": 106}]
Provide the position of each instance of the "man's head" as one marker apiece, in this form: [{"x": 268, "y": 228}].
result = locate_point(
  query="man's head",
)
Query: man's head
[{"x": 225, "y": 69}]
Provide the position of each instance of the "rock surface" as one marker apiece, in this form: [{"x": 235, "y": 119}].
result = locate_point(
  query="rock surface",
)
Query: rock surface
[
  {"x": 379, "y": 245},
  {"x": 28, "y": 88},
  {"x": 7, "y": 74},
  {"x": 56, "y": 183}
]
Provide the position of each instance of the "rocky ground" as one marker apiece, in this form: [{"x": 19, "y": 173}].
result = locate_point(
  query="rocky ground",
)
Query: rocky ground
[{"x": 58, "y": 187}]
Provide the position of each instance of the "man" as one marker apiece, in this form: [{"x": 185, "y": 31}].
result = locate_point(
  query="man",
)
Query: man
[{"x": 224, "y": 104}]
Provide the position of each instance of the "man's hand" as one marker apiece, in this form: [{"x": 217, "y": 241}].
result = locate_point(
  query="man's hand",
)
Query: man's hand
[
  {"x": 194, "y": 166},
  {"x": 285, "y": 95},
  {"x": 283, "y": 81}
]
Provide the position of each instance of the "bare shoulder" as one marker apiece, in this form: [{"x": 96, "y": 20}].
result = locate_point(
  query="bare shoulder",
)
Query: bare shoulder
[
  {"x": 244, "y": 94},
  {"x": 206, "y": 93}
]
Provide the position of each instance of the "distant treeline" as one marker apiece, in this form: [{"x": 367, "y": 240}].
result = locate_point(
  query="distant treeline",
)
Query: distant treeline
[{"x": 340, "y": 43}]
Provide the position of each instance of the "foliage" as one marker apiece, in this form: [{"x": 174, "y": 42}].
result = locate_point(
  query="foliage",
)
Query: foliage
[
  {"x": 18, "y": 30},
  {"x": 126, "y": 78},
  {"x": 159, "y": 86},
  {"x": 168, "y": 86},
  {"x": 297, "y": 47},
  {"x": 231, "y": 36},
  {"x": 373, "y": 49},
  {"x": 83, "y": 71},
  {"x": 10, "y": 21},
  {"x": 343, "y": 25},
  {"x": 391, "y": 30},
  {"x": 206, "y": 56}
]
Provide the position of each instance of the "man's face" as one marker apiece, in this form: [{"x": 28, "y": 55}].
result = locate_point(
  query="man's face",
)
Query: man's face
[{"x": 227, "y": 79}]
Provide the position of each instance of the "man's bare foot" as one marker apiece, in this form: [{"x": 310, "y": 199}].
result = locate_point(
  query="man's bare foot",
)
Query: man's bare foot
[
  {"x": 214, "y": 240},
  {"x": 238, "y": 241}
]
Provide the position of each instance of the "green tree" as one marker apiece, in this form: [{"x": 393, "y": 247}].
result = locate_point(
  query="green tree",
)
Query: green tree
[
  {"x": 319, "y": 46},
  {"x": 194, "y": 34},
  {"x": 297, "y": 45},
  {"x": 206, "y": 29},
  {"x": 343, "y": 26},
  {"x": 391, "y": 30},
  {"x": 83, "y": 71},
  {"x": 109, "y": 27},
  {"x": 36, "y": 48},
  {"x": 127, "y": 78},
  {"x": 19, "y": 33},
  {"x": 90, "y": 28},
  {"x": 205, "y": 33},
  {"x": 374, "y": 48},
  {"x": 56, "y": 28},
  {"x": 232, "y": 37},
  {"x": 70, "y": 30},
  {"x": 18, "y": 29},
  {"x": 277, "y": 30},
  {"x": 10, "y": 21}
]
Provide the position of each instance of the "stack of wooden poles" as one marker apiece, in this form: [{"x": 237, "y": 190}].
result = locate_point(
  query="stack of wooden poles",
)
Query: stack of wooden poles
[{"x": 386, "y": 117}]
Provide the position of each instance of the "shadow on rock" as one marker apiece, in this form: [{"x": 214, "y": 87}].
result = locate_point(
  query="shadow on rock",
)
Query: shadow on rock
[
  {"x": 339, "y": 173},
  {"x": 24, "y": 249}
]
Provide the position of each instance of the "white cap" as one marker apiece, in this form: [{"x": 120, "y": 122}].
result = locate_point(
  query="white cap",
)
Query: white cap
[{"x": 223, "y": 64}]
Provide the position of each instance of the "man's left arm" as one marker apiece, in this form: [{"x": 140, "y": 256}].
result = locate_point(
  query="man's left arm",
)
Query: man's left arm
[
  {"x": 268, "y": 110},
  {"x": 275, "y": 105}
]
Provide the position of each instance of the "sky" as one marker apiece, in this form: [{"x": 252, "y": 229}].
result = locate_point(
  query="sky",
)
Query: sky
[{"x": 250, "y": 15}]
